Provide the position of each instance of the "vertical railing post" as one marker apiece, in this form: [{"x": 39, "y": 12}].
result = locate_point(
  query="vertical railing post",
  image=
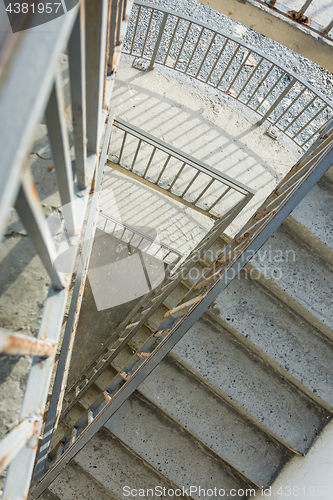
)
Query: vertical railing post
[
  {"x": 96, "y": 28},
  {"x": 277, "y": 102},
  {"x": 112, "y": 34},
  {"x": 158, "y": 41},
  {"x": 76, "y": 53}
]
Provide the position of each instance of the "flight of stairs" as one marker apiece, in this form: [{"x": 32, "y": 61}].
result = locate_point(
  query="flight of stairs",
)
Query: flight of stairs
[{"x": 249, "y": 386}]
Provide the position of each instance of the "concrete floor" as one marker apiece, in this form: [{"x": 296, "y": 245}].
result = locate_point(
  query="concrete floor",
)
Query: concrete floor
[{"x": 201, "y": 122}]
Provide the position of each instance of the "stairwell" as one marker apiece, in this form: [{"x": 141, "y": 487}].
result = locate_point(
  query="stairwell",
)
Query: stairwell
[{"x": 246, "y": 390}]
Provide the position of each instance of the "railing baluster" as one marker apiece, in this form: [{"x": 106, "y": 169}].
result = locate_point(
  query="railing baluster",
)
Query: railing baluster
[
  {"x": 147, "y": 32},
  {"x": 149, "y": 163},
  {"x": 28, "y": 207},
  {"x": 228, "y": 66},
  {"x": 270, "y": 69},
  {"x": 58, "y": 136},
  {"x": 136, "y": 154},
  {"x": 122, "y": 147},
  {"x": 289, "y": 106},
  {"x": 112, "y": 34},
  {"x": 16, "y": 344},
  {"x": 182, "y": 45},
  {"x": 96, "y": 31},
  {"x": 302, "y": 10},
  {"x": 176, "y": 176},
  {"x": 135, "y": 29},
  {"x": 171, "y": 40},
  {"x": 76, "y": 53},
  {"x": 217, "y": 60},
  {"x": 163, "y": 169},
  {"x": 190, "y": 184},
  {"x": 301, "y": 112},
  {"x": 204, "y": 57},
  {"x": 219, "y": 199},
  {"x": 277, "y": 101},
  {"x": 253, "y": 72},
  {"x": 310, "y": 121},
  {"x": 203, "y": 191},
  {"x": 195, "y": 48},
  {"x": 240, "y": 69},
  {"x": 270, "y": 91},
  {"x": 119, "y": 18}
]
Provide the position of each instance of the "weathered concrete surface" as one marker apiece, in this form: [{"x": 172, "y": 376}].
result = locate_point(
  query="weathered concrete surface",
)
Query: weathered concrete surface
[{"x": 201, "y": 123}]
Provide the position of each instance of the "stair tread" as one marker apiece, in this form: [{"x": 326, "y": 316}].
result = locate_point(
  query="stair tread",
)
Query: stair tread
[
  {"x": 113, "y": 465},
  {"x": 214, "y": 421},
  {"x": 301, "y": 273},
  {"x": 248, "y": 380},
  {"x": 315, "y": 212},
  {"x": 167, "y": 448},
  {"x": 284, "y": 337}
]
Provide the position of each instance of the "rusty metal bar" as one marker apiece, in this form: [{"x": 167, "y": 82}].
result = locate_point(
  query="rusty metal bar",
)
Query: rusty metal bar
[
  {"x": 30, "y": 212},
  {"x": 76, "y": 59},
  {"x": 15, "y": 344},
  {"x": 58, "y": 135},
  {"x": 302, "y": 10},
  {"x": 96, "y": 30},
  {"x": 16, "y": 439},
  {"x": 70, "y": 330}
]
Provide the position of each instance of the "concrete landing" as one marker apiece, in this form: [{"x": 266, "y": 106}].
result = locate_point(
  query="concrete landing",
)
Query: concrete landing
[{"x": 203, "y": 123}]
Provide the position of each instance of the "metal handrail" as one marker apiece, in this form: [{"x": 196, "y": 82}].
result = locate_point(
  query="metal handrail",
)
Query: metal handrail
[
  {"x": 269, "y": 216},
  {"x": 86, "y": 30},
  {"x": 290, "y": 103},
  {"x": 143, "y": 237},
  {"x": 213, "y": 184}
]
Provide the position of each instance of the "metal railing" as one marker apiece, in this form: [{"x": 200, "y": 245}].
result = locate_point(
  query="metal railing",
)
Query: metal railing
[
  {"x": 137, "y": 239},
  {"x": 174, "y": 173},
  {"x": 89, "y": 34},
  {"x": 230, "y": 65},
  {"x": 270, "y": 215},
  {"x": 300, "y": 17},
  {"x": 126, "y": 330}
]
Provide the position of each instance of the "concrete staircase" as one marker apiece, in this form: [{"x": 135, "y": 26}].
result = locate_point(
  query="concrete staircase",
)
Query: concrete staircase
[{"x": 247, "y": 388}]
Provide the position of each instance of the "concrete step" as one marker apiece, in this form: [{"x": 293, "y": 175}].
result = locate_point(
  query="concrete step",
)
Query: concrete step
[
  {"x": 283, "y": 336},
  {"x": 244, "y": 375},
  {"x": 104, "y": 467},
  {"x": 209, "y": 415},
  {"x": 169, "y": 447},
  {"x": 314, "y": 212},
  {"x": 250, "y": 381},
  {"x": 299, "y": 271},
  {"x": 77, "y": 482},
  {"x": 218, "y": 424}
]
